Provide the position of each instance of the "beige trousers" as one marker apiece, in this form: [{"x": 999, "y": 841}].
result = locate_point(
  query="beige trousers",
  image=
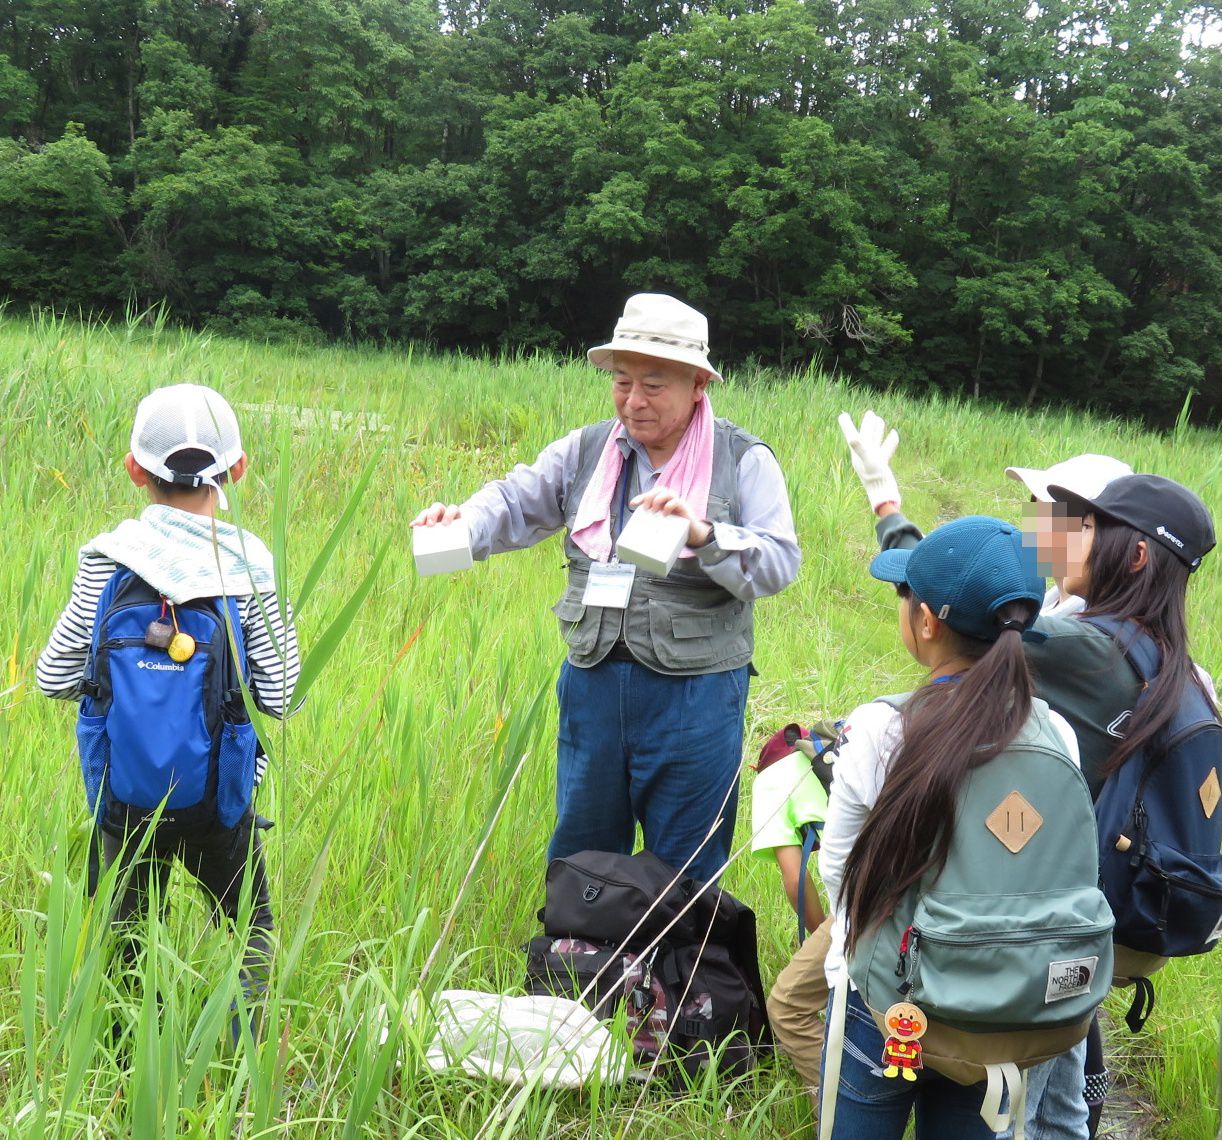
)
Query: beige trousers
[{"x": 796, "y": 1005}]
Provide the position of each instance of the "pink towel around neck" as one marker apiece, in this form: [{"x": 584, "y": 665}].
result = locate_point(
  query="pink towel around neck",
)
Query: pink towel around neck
[{"x": 689, "y": 473}]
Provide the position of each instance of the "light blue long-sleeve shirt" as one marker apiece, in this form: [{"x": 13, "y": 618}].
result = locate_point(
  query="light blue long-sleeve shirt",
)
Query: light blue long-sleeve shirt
[{"x": 755, "y": 559}]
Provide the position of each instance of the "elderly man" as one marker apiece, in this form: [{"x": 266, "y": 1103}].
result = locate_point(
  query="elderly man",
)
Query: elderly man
[{"x": 654, "y": 689}]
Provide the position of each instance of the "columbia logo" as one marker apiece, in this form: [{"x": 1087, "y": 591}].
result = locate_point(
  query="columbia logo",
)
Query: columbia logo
[
  {"x": 160, "y": 666},
  {"x": 1163, "y": 532}
]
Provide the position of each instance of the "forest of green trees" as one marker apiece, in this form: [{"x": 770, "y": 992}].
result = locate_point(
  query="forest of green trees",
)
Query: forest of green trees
[{"x": 954, "y": 194}]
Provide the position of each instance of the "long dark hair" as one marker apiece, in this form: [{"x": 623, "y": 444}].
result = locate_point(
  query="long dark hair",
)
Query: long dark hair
[
  {"x": 1153, "y": 597},
  {"x": 948, "y": 729}
]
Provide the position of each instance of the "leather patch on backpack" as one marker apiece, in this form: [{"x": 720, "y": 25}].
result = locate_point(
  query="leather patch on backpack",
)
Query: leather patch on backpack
[
  {"x": 1210, "y": 793},
  {"x": 1014, "y": 821}
]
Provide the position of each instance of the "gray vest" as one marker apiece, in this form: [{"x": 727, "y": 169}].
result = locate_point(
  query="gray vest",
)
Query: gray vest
[{"x": 681, "y": 624}]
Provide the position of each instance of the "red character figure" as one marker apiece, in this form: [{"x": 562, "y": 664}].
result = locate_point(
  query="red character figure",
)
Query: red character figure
[{"x": 902, "y": 1052}]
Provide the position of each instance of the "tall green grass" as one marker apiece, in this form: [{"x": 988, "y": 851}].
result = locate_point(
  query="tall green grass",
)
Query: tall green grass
[{"x": 429, "y": 712}]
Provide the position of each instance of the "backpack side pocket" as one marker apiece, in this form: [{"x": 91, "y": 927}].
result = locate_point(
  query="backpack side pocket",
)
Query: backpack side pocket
[
  {"x": 235, "y": 772},
  {"x": 94, "y": 746},
  {"x": 1173, "y": 905},
  {"x": 716, "y": 1018}
]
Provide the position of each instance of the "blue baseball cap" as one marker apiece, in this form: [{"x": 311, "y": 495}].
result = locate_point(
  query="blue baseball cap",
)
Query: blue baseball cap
[{"x": 965, "y": 571}]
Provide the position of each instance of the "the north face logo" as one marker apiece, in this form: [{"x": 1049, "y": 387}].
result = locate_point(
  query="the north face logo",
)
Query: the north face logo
[{"x": 1069, "y": 978}]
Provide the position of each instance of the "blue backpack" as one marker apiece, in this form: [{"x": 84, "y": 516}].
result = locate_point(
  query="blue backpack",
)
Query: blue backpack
[
  {"x": 154, "y": 730},
  {"x": 1160, "y": 833}
]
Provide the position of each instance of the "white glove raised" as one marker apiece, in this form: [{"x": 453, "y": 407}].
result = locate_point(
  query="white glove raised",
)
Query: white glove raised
[{"x": 871, "y": 454}]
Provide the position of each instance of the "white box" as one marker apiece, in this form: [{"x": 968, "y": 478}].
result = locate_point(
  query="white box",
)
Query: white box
[
  {"x": 442, "y": 549},
  {"x": 652, "y": 541}
]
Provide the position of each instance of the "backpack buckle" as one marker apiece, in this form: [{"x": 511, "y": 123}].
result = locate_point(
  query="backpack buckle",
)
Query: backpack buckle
[{"x": 592, "y": 891}]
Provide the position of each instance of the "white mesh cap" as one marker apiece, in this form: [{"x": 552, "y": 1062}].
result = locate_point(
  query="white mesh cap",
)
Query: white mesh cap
[
  {"x": 1084, "y": 475},
  {"x": 181, "y": 417}
]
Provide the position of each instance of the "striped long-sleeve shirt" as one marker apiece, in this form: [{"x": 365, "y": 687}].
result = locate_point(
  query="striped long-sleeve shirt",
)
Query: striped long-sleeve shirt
[{"x": 271, "y": 644}]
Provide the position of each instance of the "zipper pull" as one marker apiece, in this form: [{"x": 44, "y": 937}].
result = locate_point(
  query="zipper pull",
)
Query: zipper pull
[
  {"x": 912, "y": 938},
  {"x": 901, "y": 963},
  {"x": 1140, "y": 820}
]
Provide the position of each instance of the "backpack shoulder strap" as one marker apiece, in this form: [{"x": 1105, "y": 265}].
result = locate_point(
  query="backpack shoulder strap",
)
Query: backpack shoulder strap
[
  {"x": 896, "y": 700},
  {"x": 114, "y": 584},
  {"x": 1137, "y": 646},
  {"x": 230, "y": 612},
  {"x": 1143, "y": 655},
  {"x": 810, "y": 840},
  {"x": 106, "y": 599}
]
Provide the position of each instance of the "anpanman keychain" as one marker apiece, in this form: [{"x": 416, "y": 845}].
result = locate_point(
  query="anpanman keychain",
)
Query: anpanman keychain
[{"x": 902, "y": 1051}]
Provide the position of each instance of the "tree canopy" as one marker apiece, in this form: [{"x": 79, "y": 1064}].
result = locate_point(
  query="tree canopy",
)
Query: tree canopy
[{"x": 955, "y": 195}]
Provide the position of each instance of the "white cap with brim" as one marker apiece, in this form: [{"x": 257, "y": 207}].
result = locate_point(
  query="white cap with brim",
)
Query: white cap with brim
[
  {"x": 186, "y": 417},
  {"x": 1085, "y": 475},
  {"x": 655, "y": 324}
]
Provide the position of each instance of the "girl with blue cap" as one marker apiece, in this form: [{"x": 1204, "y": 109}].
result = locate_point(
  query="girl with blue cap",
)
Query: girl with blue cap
[{"x": 967, "y": 593}]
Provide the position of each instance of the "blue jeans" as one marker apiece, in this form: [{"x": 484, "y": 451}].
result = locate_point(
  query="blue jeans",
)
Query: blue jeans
[
  {"x": 870, "y": 1106},
  {"x": 1056, "y": 1097},
  {"x": 635, "y": 746}
]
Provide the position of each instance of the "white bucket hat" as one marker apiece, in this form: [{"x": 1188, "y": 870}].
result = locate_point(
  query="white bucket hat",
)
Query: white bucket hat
[
  {"x": 654, "y": 324},
  {"x": 182, "y": 417},
  {"x": 1084, "y": 475}
]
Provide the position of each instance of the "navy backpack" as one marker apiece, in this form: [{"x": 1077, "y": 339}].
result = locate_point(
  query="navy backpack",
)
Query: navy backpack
[
  {"x": 1160, "y": 833},
  {"x": 154, "y": 730}
]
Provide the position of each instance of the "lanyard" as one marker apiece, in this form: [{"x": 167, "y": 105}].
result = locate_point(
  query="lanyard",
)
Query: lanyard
[{"x": 629, "y": 468}]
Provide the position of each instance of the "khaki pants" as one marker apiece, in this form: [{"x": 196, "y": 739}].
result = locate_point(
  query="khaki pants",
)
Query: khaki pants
[{"x": 796, "y": 1005}]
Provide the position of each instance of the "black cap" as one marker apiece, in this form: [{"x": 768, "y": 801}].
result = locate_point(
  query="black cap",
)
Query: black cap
[{"x": 1160, "y": 508}]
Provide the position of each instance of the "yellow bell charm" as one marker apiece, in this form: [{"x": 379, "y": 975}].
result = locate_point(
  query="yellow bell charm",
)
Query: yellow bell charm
[{"x": 182, "y": 647}]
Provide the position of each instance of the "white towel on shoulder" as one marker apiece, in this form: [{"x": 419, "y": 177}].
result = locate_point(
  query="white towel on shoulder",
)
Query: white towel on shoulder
[{"x": 185, "y": 556}]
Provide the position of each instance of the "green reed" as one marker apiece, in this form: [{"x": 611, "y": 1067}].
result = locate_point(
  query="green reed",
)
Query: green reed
[{"x": 412, "y": 793}]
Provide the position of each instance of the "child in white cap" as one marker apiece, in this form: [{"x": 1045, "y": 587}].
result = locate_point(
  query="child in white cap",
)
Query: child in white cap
[{"x": 185, "y": 449}]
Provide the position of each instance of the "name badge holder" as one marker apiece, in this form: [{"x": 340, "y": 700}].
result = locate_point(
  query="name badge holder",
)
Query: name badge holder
[{"x": 609, "y": 585}]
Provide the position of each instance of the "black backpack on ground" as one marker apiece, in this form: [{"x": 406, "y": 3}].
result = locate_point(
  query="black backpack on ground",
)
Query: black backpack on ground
[{"x": 679, "y": 959}]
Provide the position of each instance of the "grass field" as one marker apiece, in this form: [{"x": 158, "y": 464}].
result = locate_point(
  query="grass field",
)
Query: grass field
[{"x": 416, "y": 722}]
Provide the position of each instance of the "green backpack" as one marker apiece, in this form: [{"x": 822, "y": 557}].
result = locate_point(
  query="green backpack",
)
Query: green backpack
[{"x": 1008, "y": 950}]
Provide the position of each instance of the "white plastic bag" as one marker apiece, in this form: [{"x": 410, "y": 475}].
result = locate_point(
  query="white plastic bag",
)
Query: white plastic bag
[{"x": 541, "y": 1039}]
